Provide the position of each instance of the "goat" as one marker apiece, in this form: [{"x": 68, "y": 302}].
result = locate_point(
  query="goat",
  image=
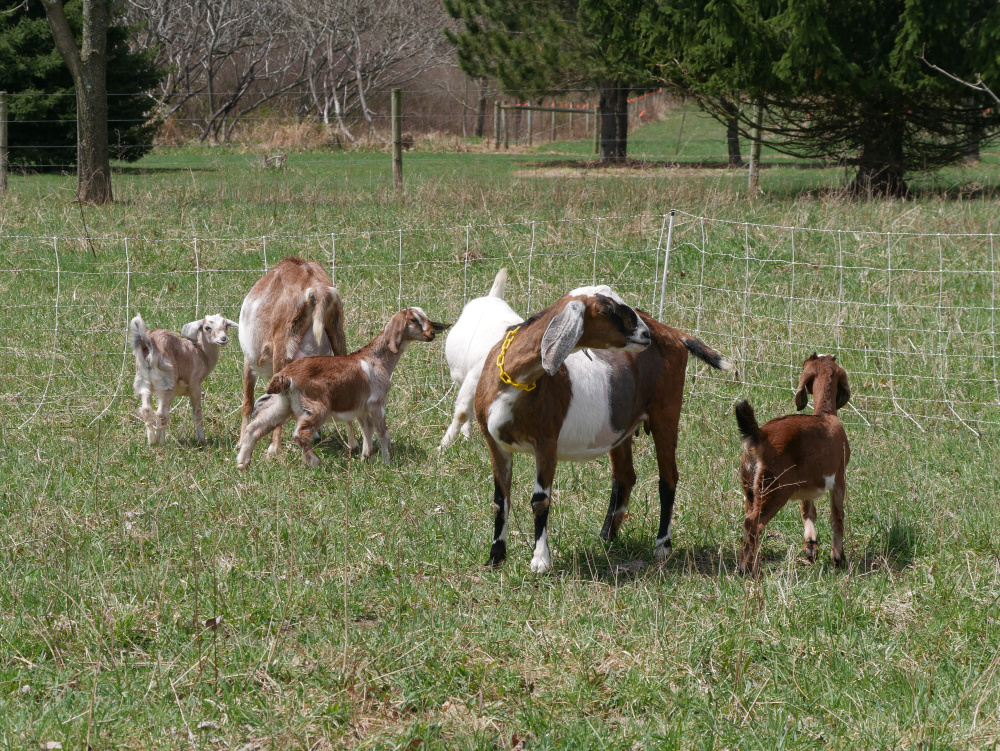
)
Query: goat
[
  {"x": 797, "y": 457},
  {"x": 352, "y": 387},
  {"x": 482, "y": 324},
  {"x": 293, "y": 311},
  {"x": 535, "y": 397},
  {"x": 170, "y": 365}
]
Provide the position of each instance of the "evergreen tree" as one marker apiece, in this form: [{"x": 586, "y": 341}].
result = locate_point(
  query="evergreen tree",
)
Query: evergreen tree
[
  {"x": 43, "y": 128},
  {"x": 838, "y": 80},
  {"x": 537, "y": 46}
]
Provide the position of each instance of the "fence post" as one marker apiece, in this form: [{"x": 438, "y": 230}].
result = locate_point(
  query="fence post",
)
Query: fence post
[
  {"x": 597, "y": 129},
  {"x": 496, "y": 124},
  {"x": 758, "y": 122},
  {"x": 397, "y": 139},
  {"x": 530, "y": 135},
  {"x": 666, "y": 263},
  {"x": 504, "y": 128},
  {"x": 3, "y": 141}
]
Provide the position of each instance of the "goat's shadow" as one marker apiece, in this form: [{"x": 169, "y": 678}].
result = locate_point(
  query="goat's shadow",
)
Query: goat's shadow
[{"x": 332, "y": 444}]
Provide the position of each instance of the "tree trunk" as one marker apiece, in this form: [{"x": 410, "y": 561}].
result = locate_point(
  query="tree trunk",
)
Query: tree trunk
[
  {"x": 881, "y": 158},
  {"x": 93, "y": 165},
  {"x": 88, "y": 67},
  {"x": 614, "y": 121},
  {"x": 481, "y": 114},
  {"x": 733, "y": 134}
]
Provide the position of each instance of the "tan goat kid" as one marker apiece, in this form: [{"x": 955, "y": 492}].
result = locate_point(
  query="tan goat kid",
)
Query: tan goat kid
[
  {"x": 797, "y": 457},
  {"x": 353, "y": 387},
  {"x": 169, "y": 365}
]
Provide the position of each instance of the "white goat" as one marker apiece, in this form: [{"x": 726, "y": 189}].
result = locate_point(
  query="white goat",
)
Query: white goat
[
  {"x": 482, "y": 324},
  {"x": 170, "y": 365}
]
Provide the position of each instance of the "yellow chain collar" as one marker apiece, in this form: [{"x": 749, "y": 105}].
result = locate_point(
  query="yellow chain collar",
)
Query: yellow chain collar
[{"x": 504, "y": 376}]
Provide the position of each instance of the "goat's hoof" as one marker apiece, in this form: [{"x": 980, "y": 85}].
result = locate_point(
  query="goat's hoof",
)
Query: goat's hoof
[
  {"x": 811, "y": 551},
  {"x": 541, "y": 564},
  {"x": 243, "y": 467},
  {"x": 272, "y": 451},
  {"x": 311, "y": 460},
  {"x": 498, "y": 552},
  {"x": 839, "y": 561},
  {"x": 662, "y": 552}
]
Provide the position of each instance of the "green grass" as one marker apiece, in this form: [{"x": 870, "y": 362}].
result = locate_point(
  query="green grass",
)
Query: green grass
[{"x": 116, "y": 556}]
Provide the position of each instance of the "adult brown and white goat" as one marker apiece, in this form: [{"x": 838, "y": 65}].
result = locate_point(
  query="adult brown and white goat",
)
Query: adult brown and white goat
[
  {"x": 293, "y": 311},
  {"x": 169, "y": 365},
  {"x": 584, "y": 404},
  {"x": 797, "y": 457},
  {"x": 351, "y": 387}
]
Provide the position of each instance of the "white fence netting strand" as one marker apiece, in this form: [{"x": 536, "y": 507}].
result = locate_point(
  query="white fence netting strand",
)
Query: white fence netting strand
[{"x": 911, "y": 316}]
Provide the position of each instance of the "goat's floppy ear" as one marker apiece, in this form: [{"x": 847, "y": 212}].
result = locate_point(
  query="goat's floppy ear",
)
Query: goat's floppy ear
[
  {"x": 439, "y": 327},
  {"x": 562, "y": 335},
  {"x": 803, "y": 391},
  {"x": 232, "y": 324},
  {"x": 843, "y": 389},
  {"x": 190, "y": 330},
  {"x": 394, "y": 331}
]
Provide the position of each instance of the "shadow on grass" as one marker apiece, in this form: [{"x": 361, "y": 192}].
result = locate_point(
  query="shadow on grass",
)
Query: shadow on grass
[
  {"x": 892, "y": 547},
  {"x": 333, "y": 445},
  {"x": 653, "y": 164},
  {"x": 151, "y": 170}
]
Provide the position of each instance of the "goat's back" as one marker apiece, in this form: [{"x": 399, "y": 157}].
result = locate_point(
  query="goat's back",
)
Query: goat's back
[
  {"x": 340, "y": 384},
  {"x": 815, "y": 441},
  {"x": 482, "y": 324},
  {"x": 277, "y": 304}
]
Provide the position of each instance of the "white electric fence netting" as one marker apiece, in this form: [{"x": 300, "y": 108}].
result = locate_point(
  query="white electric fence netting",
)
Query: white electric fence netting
[{"x": 912, "y": 317}]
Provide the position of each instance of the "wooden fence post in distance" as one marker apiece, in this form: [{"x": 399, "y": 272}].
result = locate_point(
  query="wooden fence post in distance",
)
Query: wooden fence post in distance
[{"x": 397, "y": 139}]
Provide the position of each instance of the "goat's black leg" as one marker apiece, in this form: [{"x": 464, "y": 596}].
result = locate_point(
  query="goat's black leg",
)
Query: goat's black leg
[
  {"x": 622, "y": 482},
  {"x": 545, "y": 471},
  {"x": 502, "y": 466}
]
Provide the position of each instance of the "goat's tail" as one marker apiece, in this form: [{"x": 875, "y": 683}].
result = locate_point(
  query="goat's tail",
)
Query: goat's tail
[
  {"x": 499, "y": 284},
  {"x": 747, "y": 421},
  {"x": 325, "y": 299},
  {"x": 142, "y": 347},
  {"x": 279, "y": 384},
  {"x": 705, "y": 353}
]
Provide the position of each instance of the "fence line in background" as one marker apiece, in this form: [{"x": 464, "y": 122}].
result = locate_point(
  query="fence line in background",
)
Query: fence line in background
[{"x": 918, "y": 337}]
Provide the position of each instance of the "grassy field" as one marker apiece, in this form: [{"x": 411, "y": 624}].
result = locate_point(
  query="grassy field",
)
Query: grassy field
[{"x": 158, "y": 598}]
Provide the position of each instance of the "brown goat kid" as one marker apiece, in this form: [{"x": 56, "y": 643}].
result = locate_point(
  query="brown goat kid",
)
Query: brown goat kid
[
  {"x": 352, "y": 387},
  {"x": 293, "y": 311},
  {"x": 582, "y": 405},
  {"x": 797, "y": 457}
]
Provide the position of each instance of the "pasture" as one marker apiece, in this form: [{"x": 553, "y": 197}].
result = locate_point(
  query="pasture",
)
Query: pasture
[{"x": 158, "y": 598}]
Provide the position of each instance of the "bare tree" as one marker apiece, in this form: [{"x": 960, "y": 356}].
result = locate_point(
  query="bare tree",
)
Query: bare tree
[
  {"x": 356, "y": 49},
  {"x": 229, "y": 56},
  {"x": 87, "y": 65}
]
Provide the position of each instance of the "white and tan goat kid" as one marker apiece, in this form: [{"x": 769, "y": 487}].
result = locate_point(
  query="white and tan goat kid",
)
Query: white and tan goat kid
[
  {"x": 169, "y": 365},
  {"x": 293, "y": 311},
  {"x": 353, "y": 387},
  {"x": 483, "y": 323},
  {"x": 797, "y": 457},
  {"x": 539, "y": 395}
]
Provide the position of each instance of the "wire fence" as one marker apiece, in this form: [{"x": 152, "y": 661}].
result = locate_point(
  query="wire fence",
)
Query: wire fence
[{"x": 911, "y": 316}]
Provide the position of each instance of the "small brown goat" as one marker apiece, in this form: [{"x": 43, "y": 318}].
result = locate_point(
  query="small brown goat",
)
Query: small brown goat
[
  {"x": 351, "y": 387},
  {"x": 538, "y": 394},
  {"x": 797, "y": 457}
]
